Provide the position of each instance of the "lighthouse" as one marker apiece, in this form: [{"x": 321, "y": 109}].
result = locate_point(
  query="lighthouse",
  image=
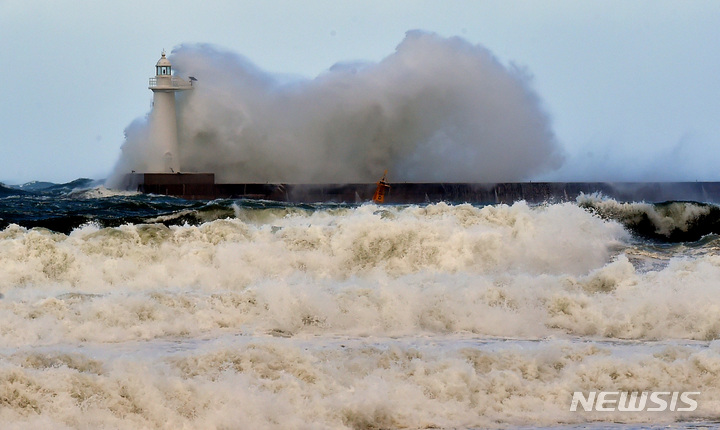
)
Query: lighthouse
[{"x": 164, "y": 134}]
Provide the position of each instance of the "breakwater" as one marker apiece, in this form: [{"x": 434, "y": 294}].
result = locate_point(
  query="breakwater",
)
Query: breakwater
[{"x": 202, "y": 186}]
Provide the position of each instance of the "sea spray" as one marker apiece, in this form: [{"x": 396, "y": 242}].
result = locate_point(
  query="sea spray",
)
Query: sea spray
[{"x": 436, "y": 109}]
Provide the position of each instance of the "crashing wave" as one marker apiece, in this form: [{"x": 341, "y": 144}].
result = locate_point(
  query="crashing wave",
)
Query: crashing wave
[
  {"x": 673, "y": 221},
  {"x": 99, "y": 192}
]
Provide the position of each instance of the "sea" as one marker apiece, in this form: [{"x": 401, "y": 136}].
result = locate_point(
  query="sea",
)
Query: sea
[{"x": 120, "y": 310}]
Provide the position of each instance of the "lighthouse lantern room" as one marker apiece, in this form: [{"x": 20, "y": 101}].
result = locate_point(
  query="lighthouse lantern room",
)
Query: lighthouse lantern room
[
  {"x": 163, "y": 66},
  {"x": 164, "y": 134}
]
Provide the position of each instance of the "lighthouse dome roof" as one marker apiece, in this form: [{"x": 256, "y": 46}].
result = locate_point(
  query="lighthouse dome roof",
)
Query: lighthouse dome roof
[{"x": 163, "y": 61}]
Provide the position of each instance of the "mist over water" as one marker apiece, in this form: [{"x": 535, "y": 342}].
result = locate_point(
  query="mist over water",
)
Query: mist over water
[{"x": 436, "y": 109}]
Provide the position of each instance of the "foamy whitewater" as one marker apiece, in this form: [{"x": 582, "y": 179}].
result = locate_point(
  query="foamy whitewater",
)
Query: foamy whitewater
[{"x": 240, "y": 314}]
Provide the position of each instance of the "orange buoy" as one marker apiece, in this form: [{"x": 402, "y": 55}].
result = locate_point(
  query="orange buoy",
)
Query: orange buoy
[{"x": 382, "y": 187}]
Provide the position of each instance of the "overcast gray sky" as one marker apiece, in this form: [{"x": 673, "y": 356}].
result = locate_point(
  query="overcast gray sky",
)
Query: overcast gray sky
[{"x": 632, "y": 86}]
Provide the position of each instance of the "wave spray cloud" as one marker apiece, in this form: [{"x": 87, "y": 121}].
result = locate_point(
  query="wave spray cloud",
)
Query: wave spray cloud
[{"x": 436, "y": 109}]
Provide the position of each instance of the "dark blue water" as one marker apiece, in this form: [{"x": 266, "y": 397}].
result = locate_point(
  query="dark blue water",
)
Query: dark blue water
[{"x": 65, "y": 207}]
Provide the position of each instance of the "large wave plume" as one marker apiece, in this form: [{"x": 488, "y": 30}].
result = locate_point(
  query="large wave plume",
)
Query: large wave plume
[{"x": 437, "y": 109}]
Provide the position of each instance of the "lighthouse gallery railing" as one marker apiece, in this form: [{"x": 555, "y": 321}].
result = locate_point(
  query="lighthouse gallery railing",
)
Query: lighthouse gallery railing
[{"x": 175, "y": 82}]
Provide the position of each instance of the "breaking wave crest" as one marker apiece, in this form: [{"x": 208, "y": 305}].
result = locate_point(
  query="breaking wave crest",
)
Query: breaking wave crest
[
  {"x": 213, "y": 314},
  {"x": 511, "y": 271},
  {"x": 669, "y": 221}
]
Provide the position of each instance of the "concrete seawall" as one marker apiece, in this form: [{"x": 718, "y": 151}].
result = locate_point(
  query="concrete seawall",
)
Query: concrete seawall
[{"x": 203, "y": 186}]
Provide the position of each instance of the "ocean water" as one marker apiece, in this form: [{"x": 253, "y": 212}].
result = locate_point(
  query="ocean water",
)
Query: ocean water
[{"x": 127, "y": 311}]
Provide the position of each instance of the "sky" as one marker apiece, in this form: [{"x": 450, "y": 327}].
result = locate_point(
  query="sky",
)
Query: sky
[{"x": 632, "y": 87}]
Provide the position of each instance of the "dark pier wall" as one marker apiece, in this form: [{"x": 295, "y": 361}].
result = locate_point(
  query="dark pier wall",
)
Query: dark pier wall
[{"x": 202, "y": 186}]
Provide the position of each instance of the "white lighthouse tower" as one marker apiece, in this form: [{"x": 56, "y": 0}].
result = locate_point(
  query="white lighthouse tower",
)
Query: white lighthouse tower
[{"x": 164, "y": 132}]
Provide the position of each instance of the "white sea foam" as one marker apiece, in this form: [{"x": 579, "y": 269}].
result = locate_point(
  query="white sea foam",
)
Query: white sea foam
[
  {"x": 100, "y": 192},
  {"x": 498, "y": 271},
  {"x": 367, "y": 317},
  {"x": 345, "y": 383}
]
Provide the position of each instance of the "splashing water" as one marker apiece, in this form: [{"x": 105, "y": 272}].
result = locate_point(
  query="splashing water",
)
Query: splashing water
[{"x": 434, "y": 110}]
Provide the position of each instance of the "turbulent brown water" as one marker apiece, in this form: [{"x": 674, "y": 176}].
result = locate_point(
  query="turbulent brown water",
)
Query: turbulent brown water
[{"x": 132, "y": 311}]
